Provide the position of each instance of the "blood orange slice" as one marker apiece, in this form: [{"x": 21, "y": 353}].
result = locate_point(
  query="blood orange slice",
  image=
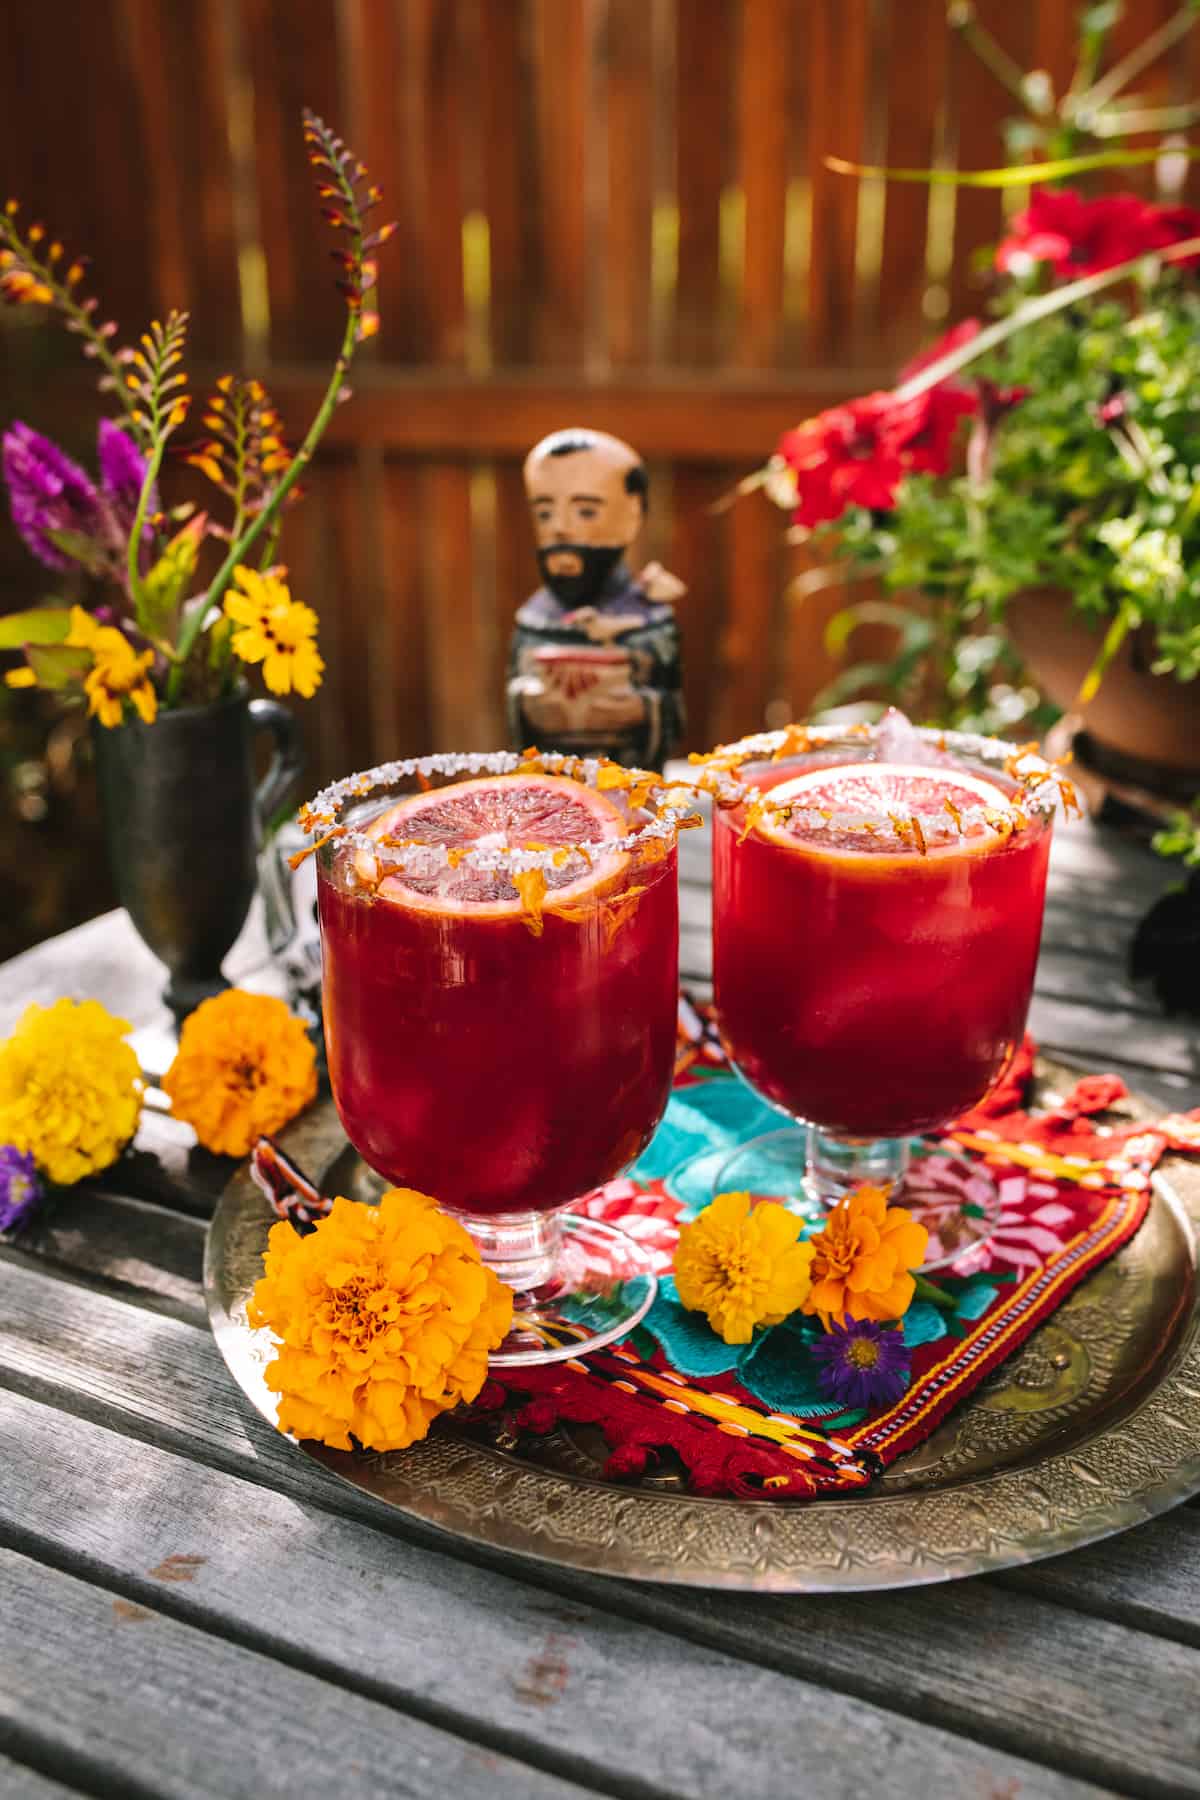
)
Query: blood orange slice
[
  {"x": 496, "y": 812},
  {"x": 833, "y": 808}
]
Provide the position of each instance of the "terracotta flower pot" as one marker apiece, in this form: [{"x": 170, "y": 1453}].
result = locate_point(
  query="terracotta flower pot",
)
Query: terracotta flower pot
[
  {"x": 1147, "y": 718},
  {"x": 182, "y": 822}
]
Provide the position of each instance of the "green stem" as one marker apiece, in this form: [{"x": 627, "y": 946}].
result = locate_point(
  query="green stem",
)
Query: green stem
[
  {"x": 926, "y": 1290},
  {"x": 81, "y": 320},
  {"x": 1151, "y": 118},
  {"x": 1057, "y": 300},
  {"x": 1139, "y": 58},
  {"x": 271, "y": 549},
  {"x": 1114, "y": 637},
  {"x": 960, "y": 17},
  {"x": 134, "y": 549},
  {"x": 239, "y": 549}
]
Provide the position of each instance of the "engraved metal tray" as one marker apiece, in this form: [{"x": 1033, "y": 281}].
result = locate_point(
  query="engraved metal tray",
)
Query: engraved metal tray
[{"x": 1093, "y": 1426}]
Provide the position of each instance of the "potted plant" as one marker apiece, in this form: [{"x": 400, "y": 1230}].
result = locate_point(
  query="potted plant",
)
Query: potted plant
[
  {"x": 1036, "y": 479},
  {"x": 179, "y": 604}
]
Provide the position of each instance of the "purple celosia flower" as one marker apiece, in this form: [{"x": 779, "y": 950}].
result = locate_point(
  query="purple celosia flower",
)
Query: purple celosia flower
[
  {"x": 20, "y": 1189},
  {"x": 122, "y": 472},
  {"x": 862, "y": 1363},
  {"x": 47, "y": 492}
]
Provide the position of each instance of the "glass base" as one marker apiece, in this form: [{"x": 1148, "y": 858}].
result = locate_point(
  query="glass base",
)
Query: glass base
[
  {"x": 579, "y": 1284},
  {"x": 808, "y": 1172}
]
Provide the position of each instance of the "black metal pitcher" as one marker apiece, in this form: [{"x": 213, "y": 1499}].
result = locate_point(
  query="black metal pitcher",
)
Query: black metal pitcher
[{"x": 183, "y": 821}]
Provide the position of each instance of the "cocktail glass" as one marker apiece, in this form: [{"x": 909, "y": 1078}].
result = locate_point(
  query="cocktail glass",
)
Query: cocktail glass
[
  {"x": 878, "y": 897},
  {"x": 500, "y": 956}
]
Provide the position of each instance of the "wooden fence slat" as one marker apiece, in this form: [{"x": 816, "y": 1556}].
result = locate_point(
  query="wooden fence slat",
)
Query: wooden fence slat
[
  {"x": 515, "y": 569},
  {"x": 768, "y": 49},
  {"x": 699, "y": 541},
  {"x": 836, "y": 44},
  {"x": 704, "y": 42},
  {"x": 349, "y": 605},
  {"x": 980, "y": 105},
  {"x": 747, "y": 652},
  {"x": 563, "y": 42},
  {"x": 915, "y": 97},
  {"x": 629, "y": 84},
  {"x": 510, "y": 171},
  {"x": 403, "y": 610},
  {"x": 291, "y": 55},
  {"x": 458, "y": 700}
]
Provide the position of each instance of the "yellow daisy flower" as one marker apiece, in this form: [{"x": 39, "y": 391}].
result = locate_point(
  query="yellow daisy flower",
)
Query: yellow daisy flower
[
  {"x": 276, "y": 631},
  {"x": 118, "y": 672},
  {"x": 70, "y": 1088}
]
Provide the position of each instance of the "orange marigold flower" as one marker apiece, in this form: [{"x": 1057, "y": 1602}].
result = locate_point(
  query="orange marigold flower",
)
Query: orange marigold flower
[
  {"x": 385, "y": 1316},
  {"x": 742, "y": 1265},
  {"x": 244, "y": 1067},
  {"x": 863, "y": 1258}
]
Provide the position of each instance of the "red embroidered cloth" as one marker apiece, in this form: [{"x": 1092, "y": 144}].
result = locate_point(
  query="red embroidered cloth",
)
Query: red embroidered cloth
[{"x": 1066, "y": 1193}]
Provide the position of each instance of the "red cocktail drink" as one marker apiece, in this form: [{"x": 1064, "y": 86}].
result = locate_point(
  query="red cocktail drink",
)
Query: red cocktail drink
[
  {"x": 496, "y": 1070},
  {"x": 500, "y": 993},
  {"x": 876, "y": 931}
]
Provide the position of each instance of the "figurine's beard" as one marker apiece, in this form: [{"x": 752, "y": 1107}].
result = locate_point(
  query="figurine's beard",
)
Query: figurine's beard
[{"x": 594, "y": 563}]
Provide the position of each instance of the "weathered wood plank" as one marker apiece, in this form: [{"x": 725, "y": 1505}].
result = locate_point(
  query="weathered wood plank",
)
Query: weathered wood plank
[
  {"x": 1148, "y": 1577},
  {"x": 482, "y": 1647},
  {"x": 20, "y": 1783},
  {"x": 129, "y": 1243},
  {"x": 149, "y": 1705},
  {"x": 1027, "y": 1676},
  {"x": 1096, "y": 1031}
]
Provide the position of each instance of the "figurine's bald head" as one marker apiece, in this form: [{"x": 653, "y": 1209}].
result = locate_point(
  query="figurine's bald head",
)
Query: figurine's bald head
[{"x": 587, "y": 493}]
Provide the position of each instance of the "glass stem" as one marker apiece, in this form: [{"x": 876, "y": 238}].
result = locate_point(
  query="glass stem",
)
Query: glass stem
[
  {"x": 837, "y": 1165},
  {"x": 521, "y": 1248}
]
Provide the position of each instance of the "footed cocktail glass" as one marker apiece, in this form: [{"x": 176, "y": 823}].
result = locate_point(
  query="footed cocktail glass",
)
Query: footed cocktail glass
[
  {"x": 500, "y": 955},
  {"x": 878, "y": 896}
]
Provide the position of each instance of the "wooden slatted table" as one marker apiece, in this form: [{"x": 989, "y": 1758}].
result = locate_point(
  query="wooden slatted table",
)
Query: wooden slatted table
[{"x": 190, "y": 1607}]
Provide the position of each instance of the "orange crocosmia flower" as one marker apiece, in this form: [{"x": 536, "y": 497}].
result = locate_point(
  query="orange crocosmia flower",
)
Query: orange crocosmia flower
[
  {"x": 244, "y": 1067},
  {"x": 863, "y": 1257},
  {"x": 385, "y": 1316}
]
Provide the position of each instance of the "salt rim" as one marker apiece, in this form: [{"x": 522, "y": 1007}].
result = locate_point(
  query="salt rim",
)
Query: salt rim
[
  {"x": 320, "y": 817},
  {"x": 1018, "y": 761}
]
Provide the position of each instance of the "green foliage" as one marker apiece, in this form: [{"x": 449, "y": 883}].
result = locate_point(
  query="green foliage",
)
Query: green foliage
[
  {"x": 40, "y": 625},
  {"x": 1180, "y": 838},
  {"x": 161, "y": 591},
  {"x": 1091, "y": 484},
  {"x": 58, "y": 666}
]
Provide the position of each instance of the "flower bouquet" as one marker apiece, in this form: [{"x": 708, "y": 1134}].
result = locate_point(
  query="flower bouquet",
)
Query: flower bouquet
[
  {"x": 156, "y": 633},
  {"x": 174, "y": 604}
]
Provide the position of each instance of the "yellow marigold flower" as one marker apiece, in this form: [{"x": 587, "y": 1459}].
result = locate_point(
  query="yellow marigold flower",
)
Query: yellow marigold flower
[
  {"x": 118, "y": 672},
  {"x": 385, "y": 1315},
  {"x": 863, "y": 1258},
  {"x": 276, "y": 631},
  {"x": 70, "y": 1088},
  {"x": 743, "y": 1266},
  {"x": 244, "y": 1067},
  {"x": 23, "y": 677}
]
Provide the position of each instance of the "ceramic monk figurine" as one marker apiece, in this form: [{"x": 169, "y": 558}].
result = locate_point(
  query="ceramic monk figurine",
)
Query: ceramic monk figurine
[{"x": 594, "y": 667}]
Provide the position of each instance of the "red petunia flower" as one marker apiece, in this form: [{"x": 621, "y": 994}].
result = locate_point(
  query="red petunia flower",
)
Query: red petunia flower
[
  {"x": 858, "y": 454},
  {"x": 1082, "y": 237}
]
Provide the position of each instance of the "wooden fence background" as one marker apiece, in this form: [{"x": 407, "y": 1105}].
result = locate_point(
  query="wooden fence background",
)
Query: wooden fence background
[{"x": 612, "y": 212}]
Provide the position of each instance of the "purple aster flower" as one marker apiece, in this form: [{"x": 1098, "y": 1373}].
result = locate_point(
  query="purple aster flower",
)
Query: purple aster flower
[
  {"x": 862, "y": 1363},
  {"x": 47, "y": 492},
  {"x": 122, "y": 472},
  {"x": 20, "y": 1189}
]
